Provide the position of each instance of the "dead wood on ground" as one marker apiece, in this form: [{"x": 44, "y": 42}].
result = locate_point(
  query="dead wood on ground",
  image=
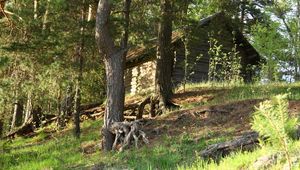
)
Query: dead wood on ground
[
  {"x": 245, "y": 143},
  {"x": 23, "y": 130}
]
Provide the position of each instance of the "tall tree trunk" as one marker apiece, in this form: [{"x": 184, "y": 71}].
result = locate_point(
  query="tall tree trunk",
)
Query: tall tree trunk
[
  {"x": 243, "y": 5},
  {"x": 60, "y": 120},
  {"x": 14, "y": 117},
  {"x": 77, "y": 101},
  {"x": 17, "y": 114},
  {"x": 114, "y": 66},
  {"x": 45, "y": 18},
  {"x": 126, "y": 25},
  {"x": 77, "y": 109},
  {"x": 165, "y": 55},
  {"x": 35, "y": 7},
  {"x": 65, "y": 107},
  {"x": 184, "y": 14},
  {"x": 90, "y": 12},
  {"x": 28, "y": 110}
]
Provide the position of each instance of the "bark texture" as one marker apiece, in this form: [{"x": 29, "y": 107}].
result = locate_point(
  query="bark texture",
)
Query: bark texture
[
  {"x": 114, "y": 66},
  {"x": 76, "y": 115},
  {"x": 66, "y": 106},
  {"x": 165, "y": 56},
  {"x": 2, "y": 6}
]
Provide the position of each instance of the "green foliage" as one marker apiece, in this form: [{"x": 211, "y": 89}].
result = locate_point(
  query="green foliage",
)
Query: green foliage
[
  {"x": 61, "y": 151},
  {"x": 223, "y": 66},
  {"x": 276, "y": 39},
  {"x": 47, "y": 150},
  {"x": 273, "y": 122},
  {"x": 38, "y": 56},
  {"x": 272, "y": 46}
]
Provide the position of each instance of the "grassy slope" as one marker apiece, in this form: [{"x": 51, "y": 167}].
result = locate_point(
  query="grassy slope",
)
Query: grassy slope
[{"x": 166, "y": 151}]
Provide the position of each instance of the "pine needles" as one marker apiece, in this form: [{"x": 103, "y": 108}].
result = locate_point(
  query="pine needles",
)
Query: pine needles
[{"x": 273, "y": 122}]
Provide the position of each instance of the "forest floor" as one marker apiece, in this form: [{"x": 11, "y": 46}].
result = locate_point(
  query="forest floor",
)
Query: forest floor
[{"x": 209, "y": 114}]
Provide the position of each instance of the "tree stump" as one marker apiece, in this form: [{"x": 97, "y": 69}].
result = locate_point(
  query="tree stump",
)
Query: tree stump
[{"x": 126, "y": 133}]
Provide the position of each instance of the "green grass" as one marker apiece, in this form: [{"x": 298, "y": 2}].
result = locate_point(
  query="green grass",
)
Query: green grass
[
  {"x": 62, "y": 151},
  {"x": 242, "y": 160},
  {"x": 224, "y": 92}
]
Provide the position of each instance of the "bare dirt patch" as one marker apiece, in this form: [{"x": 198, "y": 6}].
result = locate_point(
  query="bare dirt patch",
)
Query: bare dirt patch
[
  {"x": 199, "y": 96},
  {"x": 230, "y": 119}
]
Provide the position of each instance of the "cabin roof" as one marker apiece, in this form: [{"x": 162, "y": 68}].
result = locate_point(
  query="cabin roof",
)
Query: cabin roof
[
  {"x": 253, "y": 56},
  {"x": 143, "y": 54},
  {"x": 137, "y": 56}
]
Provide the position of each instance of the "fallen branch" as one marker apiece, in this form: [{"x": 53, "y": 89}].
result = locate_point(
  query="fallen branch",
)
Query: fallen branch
[
  {"x": 24, "y": 130},
  {"x": 90, "y": 106},
  {"x": 48, "y": 121},
  {"x": 203, "y": 111},
  {"x": 244, "y": 143}
]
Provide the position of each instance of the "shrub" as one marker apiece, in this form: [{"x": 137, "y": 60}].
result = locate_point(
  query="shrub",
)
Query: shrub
[{"x": 273, "y": 122}]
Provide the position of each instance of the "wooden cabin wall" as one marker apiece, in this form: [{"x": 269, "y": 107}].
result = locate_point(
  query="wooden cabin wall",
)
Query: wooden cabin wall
[
  {"x": 178, "y": 73},
  {"x": 141, "y": 78},
  {"x": 128, "y": 79},
  {"x": 199, "y": 46},
  {"x": 247, "y": 76}
]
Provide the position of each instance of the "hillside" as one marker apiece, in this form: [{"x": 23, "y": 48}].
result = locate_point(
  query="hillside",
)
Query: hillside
[{"x": 209, "y": 114}]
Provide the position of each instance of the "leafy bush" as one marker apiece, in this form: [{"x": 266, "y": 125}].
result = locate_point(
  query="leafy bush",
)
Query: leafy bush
[{"x": 273, "y": 122}]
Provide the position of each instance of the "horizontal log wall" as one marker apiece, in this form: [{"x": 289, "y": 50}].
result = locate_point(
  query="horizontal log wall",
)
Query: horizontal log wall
[{"x": 140, "y": 78}]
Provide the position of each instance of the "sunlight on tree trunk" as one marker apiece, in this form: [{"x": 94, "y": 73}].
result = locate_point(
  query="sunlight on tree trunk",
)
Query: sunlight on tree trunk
[
  {"x": 28, "y": 108},
  {"x": 45, "y": 18},
  {"x": 35, "y": 6},
  {"x": 114, "y": 65},
  {"x": 90, "y": 12}
]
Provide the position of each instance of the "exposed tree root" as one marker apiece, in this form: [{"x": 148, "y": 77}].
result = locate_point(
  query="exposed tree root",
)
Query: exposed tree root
[{"x": 126, "y": 133}]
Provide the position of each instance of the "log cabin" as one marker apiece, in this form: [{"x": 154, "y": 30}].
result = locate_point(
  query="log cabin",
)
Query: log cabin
[{"x": 191, "y": 54}]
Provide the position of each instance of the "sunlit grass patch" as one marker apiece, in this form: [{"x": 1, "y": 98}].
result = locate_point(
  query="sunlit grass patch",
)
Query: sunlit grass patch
[
  {"x": 54, "y": 149},
  {"x": 167, "y": 154},
  {"x": 235, "y": 161},
  {"x": 221, "y": 92},
  {"x": 60, "y": 151}
]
